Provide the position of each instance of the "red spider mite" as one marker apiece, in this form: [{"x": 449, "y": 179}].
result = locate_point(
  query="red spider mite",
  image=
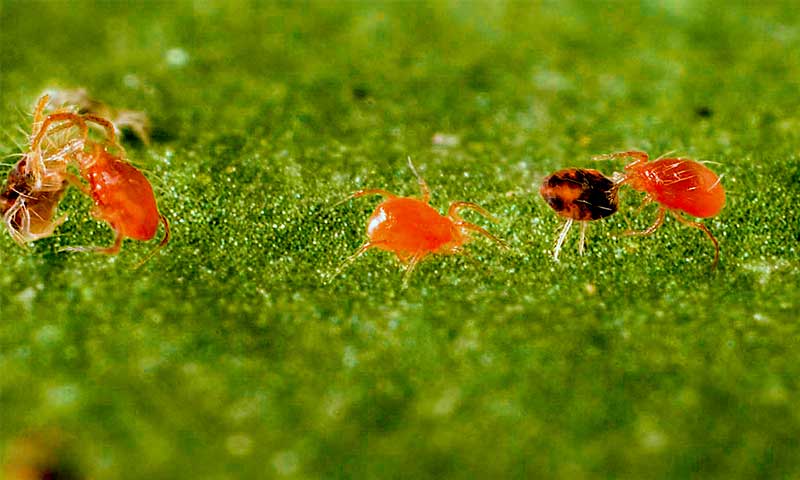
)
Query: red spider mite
[
  {"x": 37, "y": 182},
  {"x": 678, "y": 185},
  {"x": 412, "y": 229},
  {"x": 122, "y": 195},
  {"x": 579, "y": 194}
]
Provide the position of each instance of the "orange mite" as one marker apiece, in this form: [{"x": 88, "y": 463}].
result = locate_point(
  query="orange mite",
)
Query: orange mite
[
  {"x": 579, "y": 194},
  {"x": 412, "y": 229},
  {"x": 678, "y": 185},
  {"x": 122, "y": 195}
]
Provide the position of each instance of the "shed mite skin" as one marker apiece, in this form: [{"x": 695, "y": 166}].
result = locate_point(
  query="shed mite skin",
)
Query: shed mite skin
[
  {"x": 39, "y": 179},
  {"x": 412, "y": 229},
  {"x": 677, "y": 185},
  {"x": 122, "y": 195},
  {"x": 79, "y": 99},
  {"x": 579, "y": 194}
]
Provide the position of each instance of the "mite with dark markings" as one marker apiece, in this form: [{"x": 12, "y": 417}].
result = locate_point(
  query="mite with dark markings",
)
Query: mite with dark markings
[{"x": 579, "y": 194}]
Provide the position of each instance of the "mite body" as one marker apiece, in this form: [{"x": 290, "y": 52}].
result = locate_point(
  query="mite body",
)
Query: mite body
[
  {"x": 579, "y": 194},
  {"x": 677, "y": 185},
  {"x": 122, "y": 195},
  {"x": 412, "y": 229}
]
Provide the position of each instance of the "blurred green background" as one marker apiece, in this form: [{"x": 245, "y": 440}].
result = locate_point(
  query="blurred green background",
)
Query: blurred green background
[{"x": 229, "y": 356}]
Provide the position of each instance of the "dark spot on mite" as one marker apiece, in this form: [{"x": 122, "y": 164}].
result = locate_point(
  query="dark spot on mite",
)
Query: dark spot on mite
[
  {"x": 556, "y": 203},
  {"x": 599, "y": 198}
]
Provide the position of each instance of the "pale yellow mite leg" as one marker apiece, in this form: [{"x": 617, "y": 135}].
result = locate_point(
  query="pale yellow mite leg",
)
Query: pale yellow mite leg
[
  {"x": 410, "y": 266},
  {"x": 364, "y": 193},
  {"x": 37, "y": 164},
  {"x": 561, "y": 237},
  {"x": 481, "y": 231},
  {"x": 111, "y": 250},
  {"x": 160, "y": 245},
  {"x": 582, "y": 244},
  {"x": 662, "y": 212},
  {"x": 423, "y": 186},
  {"x": 352, "y": 258},
  {"x": 452, "y": 212},
  {"x": 638, "y": 156},
  {"x": 111, "y": 132},
  {"x": 58, "y": 117},
  {"x": 9, "y": 218},
  {"x": 705, "y": 230}
]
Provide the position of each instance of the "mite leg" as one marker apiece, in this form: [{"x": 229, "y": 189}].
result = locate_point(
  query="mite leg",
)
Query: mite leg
[
  {"x": 75, "y": 181},
  {"x": 582, "y": 243},
  {"x": 111, "y": 132},
  {"x": 160, "y": 245},
  {"x": 364, "y": 193},
  {"x": 647, "y": 201},
  {"x": 652, "y": 228},
  {"x": 18, "y": 230},
  {"x": 38, "y": 166},
  {"x": 52, "y": 227},
  {"x": 636, "y": 155},
  {"x": 38, "y": 111},
  {"x": 111, "y": 250},
  {"x": 54, "y": 130},
  {"x": 164, "y": 222},
  {"x": 58, "y": 117},
  {"x": 410, "y": 266},
  {"x": 423, "y": 187},
  {"x": 461, "y": 251},
  {"x": 706, "y": 231},
  {"x": 561, "y": 237},
  {"x": 481, "y": 231},
  {"x": 46, "y": 231},
  {"x": 352, "y": 258},
  {"x": 452, "y": 212}
]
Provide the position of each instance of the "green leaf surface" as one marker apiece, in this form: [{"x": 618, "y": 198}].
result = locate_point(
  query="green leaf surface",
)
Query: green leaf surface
[{"x": 234, "y": 354}]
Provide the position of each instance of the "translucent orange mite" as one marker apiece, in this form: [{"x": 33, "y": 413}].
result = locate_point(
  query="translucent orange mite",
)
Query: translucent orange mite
[
  {"x": 122, "y": 195},
  {"x": 579, "y": 194},
  {"x": 412, "y": 229},
  {"x": 678, "y": 185}
]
